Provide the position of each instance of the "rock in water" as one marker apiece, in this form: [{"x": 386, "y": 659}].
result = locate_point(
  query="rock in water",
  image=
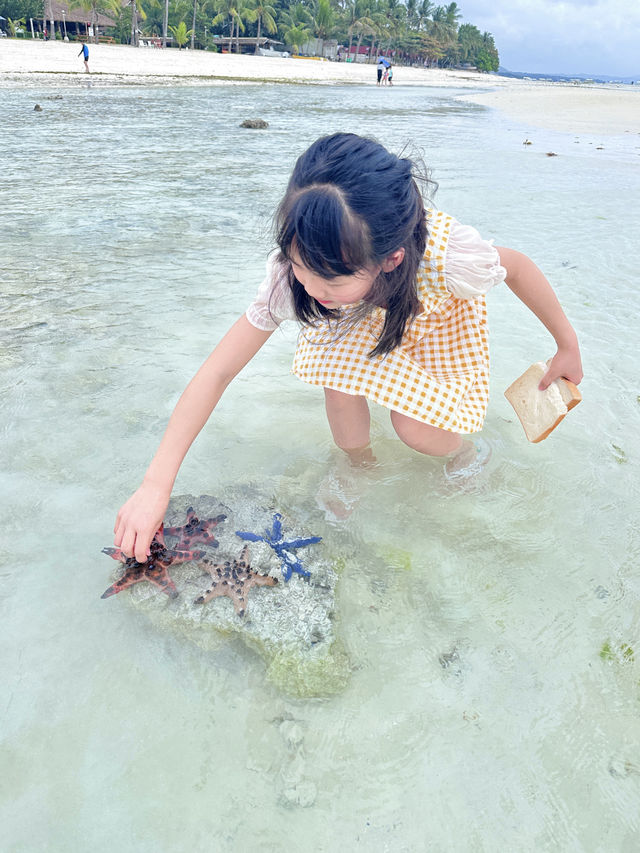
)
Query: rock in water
[
  {"x": 255, "y": 123},
  {"x": 291, "y": 624}
]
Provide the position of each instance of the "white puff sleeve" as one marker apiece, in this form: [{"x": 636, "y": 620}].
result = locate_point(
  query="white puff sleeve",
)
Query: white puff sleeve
[
  {"x": 472, "y": 265},
  {"x": 274, "y": 301}
]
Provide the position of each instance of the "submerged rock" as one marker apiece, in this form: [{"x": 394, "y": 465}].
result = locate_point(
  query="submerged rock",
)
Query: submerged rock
[
  {"x": 291, "y": 624},
  {"x": 37, "y": 108},
  {"x": 255, "y": 123}
]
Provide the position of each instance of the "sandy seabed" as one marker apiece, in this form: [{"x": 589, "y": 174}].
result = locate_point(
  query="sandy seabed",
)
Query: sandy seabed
[{"x": 578, "y": 108}]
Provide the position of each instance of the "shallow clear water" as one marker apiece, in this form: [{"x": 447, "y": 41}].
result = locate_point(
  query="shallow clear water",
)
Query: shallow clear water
[{"x": 494, "y": 697}]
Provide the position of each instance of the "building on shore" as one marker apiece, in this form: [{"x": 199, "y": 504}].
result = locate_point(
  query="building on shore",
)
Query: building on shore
[
  {"x": 71, "y": 21},
  {"x": 246, "y": 44}
]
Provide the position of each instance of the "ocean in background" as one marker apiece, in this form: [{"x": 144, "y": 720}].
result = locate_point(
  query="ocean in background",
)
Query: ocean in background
[
  {"x": 494, "y": 697},
  {"x": 580, "y": 79}
]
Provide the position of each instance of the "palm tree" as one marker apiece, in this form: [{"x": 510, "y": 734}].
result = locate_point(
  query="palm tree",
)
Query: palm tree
[
  {"x": 439, "y": 28},
  {"x": 425, "y": 10},
  {"x": 453, "y": 15},
  {"x": 412, "y": 14},
  {"x": 165, "y": 23},
  {"x": 295, "y": 25},
  {"x": 365, "y": 26},
  {"x": 181, "y": 34},
  {"x": 193, "y": 25},
  {"x": 230, "y": 9},
  {"x": 296, "y": 36},
  {"x": 323, "y": 17},
  {"x": 93, "y": 6},
  {"x": 262, "y": 13},
  {"x": 239, "y": 11}
]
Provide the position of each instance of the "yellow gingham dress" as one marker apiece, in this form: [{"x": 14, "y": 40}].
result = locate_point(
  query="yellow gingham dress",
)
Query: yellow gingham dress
[{"x": 440, "y": 372}]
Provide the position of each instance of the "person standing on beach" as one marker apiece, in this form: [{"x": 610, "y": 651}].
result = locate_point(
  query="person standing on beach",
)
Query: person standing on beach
[
  {"x": 390, "y": 69},
  {"x": 392, "y": 310},
  {"x": 380, "y": 70},
  {"x": 84, "y": 51}
]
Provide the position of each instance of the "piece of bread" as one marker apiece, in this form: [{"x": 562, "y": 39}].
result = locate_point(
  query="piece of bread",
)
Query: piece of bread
[{"x": 540, "y": 412}]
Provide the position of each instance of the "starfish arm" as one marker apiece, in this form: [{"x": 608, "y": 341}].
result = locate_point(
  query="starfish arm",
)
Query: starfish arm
[
  {"x": 112, "y": 590},
  {"x": 219, "y": 592},
  {"x": 161, "y": 579},
  {"x": 196, "y": 530},
  {"x": 213, "y": 568},
  {"x": 302, "y": 543},
  {"x": 173, "y": 556},
  {"x": 250, "y": 537},
  {"x": 276, "y": 530},
  {"x": 133, "y": 573},
  {"x": 290, "y": 564},
  {"x": 116, "y": 554}
]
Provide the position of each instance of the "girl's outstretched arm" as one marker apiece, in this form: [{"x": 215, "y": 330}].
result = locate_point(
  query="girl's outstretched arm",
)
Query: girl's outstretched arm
[
  {"x": 531, "y": 287},
  {"x": 140, "y": 517}
]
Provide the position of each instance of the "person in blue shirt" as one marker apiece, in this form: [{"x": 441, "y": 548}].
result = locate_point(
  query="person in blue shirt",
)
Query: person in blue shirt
[{"x": 84, "y": 51}]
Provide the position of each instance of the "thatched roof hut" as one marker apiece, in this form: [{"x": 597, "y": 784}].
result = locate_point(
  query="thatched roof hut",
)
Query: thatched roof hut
[{"x": 75, "y": 14}]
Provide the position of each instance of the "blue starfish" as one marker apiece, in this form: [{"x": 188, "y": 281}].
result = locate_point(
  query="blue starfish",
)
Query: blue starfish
[{"x": 274, "y": 537}]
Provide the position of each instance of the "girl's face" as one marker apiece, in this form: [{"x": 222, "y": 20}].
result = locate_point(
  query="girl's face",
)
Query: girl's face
[{"x": 334, "y": 292}]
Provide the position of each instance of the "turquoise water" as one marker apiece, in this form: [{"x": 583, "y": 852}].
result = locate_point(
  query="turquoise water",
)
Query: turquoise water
[{"x": 495, "y": 690}]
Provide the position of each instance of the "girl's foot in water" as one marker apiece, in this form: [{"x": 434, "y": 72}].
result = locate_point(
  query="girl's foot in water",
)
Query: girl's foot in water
[
  {"x": 340, "y": 491},
  {"x": 469, "y": 460}
]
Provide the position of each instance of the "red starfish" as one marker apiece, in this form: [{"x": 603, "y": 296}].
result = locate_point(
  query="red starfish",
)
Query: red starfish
[
  {"x": 196, "y": 530},
  {"x": 234, "y": 579},
  {"x": 155, "y": 570}
]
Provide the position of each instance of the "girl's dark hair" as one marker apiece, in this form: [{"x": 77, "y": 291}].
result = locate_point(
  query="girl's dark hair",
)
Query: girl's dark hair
[{"x": 349, "y": 204}]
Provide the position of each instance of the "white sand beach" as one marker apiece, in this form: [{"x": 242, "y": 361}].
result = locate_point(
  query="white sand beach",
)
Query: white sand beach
[
  {"x": 578, "y": 108},
  {"x": 23, "y": 58},
  {"x": 568, "y": 107}
]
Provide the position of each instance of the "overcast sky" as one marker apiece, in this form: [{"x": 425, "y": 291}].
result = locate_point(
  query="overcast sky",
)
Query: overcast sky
[{"x": 561, "y": 36}]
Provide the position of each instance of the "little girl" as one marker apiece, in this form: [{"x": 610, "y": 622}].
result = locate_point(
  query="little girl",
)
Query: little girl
[{"x": 391, "y": 299}]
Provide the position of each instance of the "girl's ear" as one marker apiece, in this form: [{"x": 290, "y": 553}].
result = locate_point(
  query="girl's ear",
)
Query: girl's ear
[{"x": 393, "y": 260}]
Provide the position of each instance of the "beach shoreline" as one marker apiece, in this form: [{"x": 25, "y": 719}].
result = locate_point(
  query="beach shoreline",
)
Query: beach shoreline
[{"x": 566, "y": 107}]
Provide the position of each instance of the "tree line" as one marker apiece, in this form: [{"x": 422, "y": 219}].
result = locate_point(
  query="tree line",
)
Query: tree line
[{"x": 414, "y": 31}]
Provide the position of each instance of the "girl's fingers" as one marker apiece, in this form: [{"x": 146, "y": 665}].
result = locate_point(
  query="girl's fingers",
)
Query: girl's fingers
[
  {"x": 118, "y": 532},
  {"x": 127, "y": 542},
  {"x": 142, "y": 550}
]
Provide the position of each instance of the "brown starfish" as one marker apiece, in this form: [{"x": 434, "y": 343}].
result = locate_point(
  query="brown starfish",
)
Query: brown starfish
[
  {"x": 234, "y": 578},
  {"x": 195, "y": 531},
  {"x": 155, "y": 570}
]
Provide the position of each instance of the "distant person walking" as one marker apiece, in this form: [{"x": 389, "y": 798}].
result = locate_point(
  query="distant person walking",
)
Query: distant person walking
[
  {"x": 380, "y": 70},
  {"x": 84, "y": 52},
  {"x": 391, "y": 75}
]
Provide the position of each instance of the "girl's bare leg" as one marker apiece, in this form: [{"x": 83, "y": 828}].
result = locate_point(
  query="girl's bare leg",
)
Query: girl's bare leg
[
  {"x": 350, "y": 423},
  {"x": 348, "y": 415},
  {"x": 465, "y": 457},
  {"x": 425, "y": 438}
]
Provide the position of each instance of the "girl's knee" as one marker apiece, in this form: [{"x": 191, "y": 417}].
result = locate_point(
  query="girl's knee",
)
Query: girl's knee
[{"x": 423, "y": 437}]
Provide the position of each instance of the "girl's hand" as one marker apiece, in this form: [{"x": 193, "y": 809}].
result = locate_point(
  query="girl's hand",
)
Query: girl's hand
[
  {"x": 566, "y": 363},
  {"x": 139, "y": 519}
]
